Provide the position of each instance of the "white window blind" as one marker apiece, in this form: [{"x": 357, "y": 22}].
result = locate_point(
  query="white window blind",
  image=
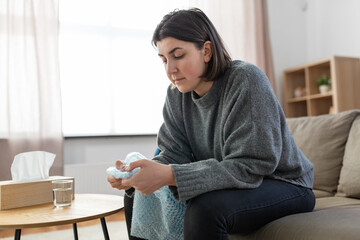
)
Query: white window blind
[{"x": 113, "y": 82}]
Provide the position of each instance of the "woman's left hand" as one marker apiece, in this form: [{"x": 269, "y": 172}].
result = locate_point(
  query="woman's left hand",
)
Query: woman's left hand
[{"x": 151, "y": 176}]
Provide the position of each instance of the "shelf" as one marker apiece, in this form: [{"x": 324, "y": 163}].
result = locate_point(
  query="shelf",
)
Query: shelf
[
  {"x": 320, "y": 106},
  {"x": 314, "y": 96},
  {"x": 344, "y": 73},
  {"x": 298, "y": 99},
  {"x": 320, "y": 95},
  {"x": 315, "y": 72},
  {"x": 297, "y": 109}
]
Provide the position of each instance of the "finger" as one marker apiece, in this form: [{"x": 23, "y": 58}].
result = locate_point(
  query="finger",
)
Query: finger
[
  {"x": 126, "y": 181},
  {"x": 125, "y": 184},
  {"x": 111, "y": 179},
  {"x": 123, "y": 187},
  {"x": 139, "y": 163},
  {"x": 119, "y": 164},
  {"x": 115, "y": 184},
  {"x": 118, "y": 184}
]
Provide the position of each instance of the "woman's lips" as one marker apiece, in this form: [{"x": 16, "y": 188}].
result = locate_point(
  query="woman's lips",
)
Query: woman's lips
[{"x": 179, "y": 80}]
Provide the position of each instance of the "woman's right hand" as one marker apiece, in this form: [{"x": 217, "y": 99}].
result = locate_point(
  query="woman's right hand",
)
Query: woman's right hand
[{"x": 117, "y": 183}]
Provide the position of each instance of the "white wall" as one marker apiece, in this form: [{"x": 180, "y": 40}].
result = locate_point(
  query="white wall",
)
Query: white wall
[
  {"x": 287, "y": 27},
  {"x": 333, "y": 28},
  {"x": 303, "y": 31},
  {"x": 106, "y": 149}
]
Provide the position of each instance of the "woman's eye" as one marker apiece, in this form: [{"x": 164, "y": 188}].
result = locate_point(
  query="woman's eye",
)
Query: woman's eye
[{"x": 178, "y": 57}]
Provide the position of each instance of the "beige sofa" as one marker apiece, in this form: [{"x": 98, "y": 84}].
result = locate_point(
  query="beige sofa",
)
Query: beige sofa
[{"x": 332, "y": 143}]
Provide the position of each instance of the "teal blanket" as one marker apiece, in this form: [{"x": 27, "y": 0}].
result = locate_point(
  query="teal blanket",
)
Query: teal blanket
[{"x": 158, "y": 216}]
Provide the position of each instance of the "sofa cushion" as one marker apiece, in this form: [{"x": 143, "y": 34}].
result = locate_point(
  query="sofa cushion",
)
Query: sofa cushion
[
  {"x": 332, "y": 218},
  {"x": 331, "y": 223},
  {"x": 321, "y": 193},
  {"x": 322, "y": 139},
  {"x": 349, "y": 182},
  {"x": 331, "y": 202}
]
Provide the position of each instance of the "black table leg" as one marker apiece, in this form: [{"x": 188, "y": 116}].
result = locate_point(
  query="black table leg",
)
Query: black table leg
[
  {"x": 17, "y": 234},
  {"x": 105, "y": 231},
  {"x": 75, "y": 231}
]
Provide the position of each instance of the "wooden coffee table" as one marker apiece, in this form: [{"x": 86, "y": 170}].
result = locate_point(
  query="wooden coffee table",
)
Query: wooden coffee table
[{"x": 84, "y": 207}]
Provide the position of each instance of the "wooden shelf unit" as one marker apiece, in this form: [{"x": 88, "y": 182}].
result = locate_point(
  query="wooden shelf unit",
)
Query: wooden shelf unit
[{"x": 345, "y": 87}]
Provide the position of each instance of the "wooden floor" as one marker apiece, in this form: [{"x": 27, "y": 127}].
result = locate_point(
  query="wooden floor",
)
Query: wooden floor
[{"x": 10, "y": 233}]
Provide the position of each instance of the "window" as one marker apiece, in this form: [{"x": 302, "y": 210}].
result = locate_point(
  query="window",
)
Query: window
[{"x": 113, "y": 82}]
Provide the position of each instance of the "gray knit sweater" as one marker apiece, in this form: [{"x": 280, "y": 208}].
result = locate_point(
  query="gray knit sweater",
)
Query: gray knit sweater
[{"x": 232, "y": 137}]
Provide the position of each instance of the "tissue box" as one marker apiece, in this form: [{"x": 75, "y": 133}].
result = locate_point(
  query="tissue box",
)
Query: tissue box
[{"x": 22, "y": 194}]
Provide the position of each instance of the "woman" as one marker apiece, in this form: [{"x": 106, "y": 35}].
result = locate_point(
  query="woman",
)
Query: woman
[{"x": 225, "y": 146}]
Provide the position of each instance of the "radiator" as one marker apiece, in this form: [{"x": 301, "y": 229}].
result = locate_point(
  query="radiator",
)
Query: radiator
[{"x": 91, "y": 178}]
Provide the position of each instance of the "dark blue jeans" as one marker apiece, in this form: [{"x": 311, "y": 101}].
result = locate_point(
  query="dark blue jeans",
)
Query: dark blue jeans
[{"x": 216, "y": 214}]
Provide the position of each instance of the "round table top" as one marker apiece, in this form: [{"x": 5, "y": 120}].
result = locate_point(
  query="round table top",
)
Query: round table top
[{"x": 83, "y": 208}]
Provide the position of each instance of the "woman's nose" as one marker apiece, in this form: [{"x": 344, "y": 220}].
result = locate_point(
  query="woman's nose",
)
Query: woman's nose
[{"x": 171, "y": 68}]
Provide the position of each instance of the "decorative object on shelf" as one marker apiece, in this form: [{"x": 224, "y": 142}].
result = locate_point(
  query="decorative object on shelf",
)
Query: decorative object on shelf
[
  {"x": 324, "y": 83},
  {"x": 343, "y": 95},
  {"x": 299, "y": 92}
]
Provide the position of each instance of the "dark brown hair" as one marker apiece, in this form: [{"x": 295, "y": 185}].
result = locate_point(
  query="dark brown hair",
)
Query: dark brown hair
[{"x": 194, "y": 26}]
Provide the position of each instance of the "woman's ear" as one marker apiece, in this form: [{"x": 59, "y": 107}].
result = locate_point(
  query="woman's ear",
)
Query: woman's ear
[{"x": 208, "y": 50}]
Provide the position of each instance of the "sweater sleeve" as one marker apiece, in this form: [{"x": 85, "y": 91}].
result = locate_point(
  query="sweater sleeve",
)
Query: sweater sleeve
[{"x": 252, "y": 141}]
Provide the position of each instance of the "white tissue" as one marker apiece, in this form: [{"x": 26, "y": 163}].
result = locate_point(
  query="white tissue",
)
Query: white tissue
[
  {"x": 131, "y": 157},
  {"x": 31, "y": 166}
]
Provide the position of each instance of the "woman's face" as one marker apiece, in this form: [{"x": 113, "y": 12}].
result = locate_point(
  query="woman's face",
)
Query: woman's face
[{"x": 185, "y": 63}]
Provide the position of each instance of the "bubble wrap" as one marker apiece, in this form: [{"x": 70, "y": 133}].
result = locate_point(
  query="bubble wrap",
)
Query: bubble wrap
[{"x": 158, "y": 216}]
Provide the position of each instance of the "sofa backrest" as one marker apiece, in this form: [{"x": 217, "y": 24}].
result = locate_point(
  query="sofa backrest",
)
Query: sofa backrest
[
  {"x": 349, "y": 182},
  {"x": 322, "y": 139}
]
